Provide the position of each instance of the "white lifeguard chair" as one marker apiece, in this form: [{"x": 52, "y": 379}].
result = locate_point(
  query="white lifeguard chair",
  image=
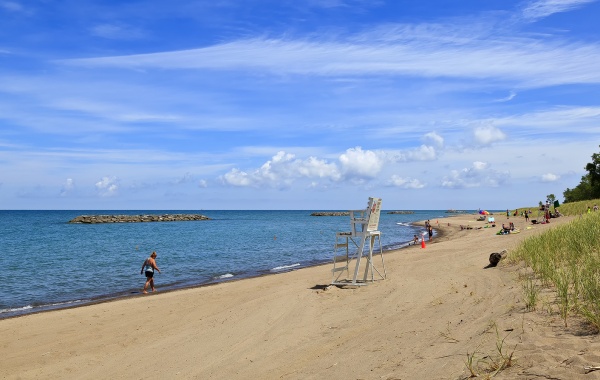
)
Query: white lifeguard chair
[{"x": 364, "y": 229}]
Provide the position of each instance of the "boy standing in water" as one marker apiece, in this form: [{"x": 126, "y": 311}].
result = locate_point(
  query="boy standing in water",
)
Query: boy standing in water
[{"x": 148, "y": 268}]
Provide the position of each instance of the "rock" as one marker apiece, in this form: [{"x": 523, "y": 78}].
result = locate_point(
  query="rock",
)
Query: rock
[
  {"x": 330, "y": 213},
  {"x": 93, "y": 219}
]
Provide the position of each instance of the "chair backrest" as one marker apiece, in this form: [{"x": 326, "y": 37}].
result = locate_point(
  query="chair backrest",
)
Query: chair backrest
[
  {"x": 366, "y": 220},
  {"x": 374, "y": 212}
]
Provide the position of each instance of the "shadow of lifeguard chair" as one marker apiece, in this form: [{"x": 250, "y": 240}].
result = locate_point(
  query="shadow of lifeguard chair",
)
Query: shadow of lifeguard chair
[{"x": 364, "y": 231}]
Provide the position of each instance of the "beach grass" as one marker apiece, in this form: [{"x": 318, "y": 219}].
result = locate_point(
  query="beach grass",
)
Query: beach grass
[
  {"x": 567, "y": 259},
  {"x": 569, "y": 209}
]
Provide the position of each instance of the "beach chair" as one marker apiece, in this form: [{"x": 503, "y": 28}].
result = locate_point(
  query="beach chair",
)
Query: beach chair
[{"x": 364, "y": 229}]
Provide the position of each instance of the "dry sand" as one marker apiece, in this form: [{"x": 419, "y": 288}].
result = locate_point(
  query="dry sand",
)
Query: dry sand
[{"x": 436, "y": 305}]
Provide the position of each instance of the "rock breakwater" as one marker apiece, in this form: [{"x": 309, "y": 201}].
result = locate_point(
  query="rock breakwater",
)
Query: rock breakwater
[
  {"x": 92, "y": 219},
  {"x": 330, "y": 213}
]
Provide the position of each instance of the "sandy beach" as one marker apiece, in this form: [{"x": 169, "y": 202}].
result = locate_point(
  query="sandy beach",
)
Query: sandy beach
[{"x": 437, "y": 306}]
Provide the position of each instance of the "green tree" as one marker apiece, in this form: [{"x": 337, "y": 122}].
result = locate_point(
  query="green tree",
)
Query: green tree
[
  {"x": 551, "y": 198},
  {"x": 593, "y": 169},
  {"x": 581, "y": 192},
  {"x": 589, "y": 187}
]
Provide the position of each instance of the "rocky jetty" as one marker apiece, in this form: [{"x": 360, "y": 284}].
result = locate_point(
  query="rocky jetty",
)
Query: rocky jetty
[
  {"x": 401, "y": 212},
  {"x": 330, "y": 213},
  {"x": 92, "y": 219}
]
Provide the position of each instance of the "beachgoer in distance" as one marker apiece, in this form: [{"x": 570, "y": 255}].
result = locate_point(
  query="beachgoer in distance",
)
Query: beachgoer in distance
[
  {"x": 507, "y": 214},
  {"x": 430, "y": 231},
  {"x": 415, "y": 240},
  {"x": 526, "y": 216},
  {"x": 148, "y": 268}
]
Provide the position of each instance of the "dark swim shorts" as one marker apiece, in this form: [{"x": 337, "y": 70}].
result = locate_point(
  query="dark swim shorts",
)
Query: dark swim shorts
[{"x": 149, "y": 274}]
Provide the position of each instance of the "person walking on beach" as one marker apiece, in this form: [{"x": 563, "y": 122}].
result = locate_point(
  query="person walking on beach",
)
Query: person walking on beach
[
  {"x": 148, "y": 268},
  {"x": 430, "y": 231}
]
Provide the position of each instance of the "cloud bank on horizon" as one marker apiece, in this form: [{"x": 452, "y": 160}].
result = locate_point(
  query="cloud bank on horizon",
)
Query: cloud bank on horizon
[{"x": 280, "y": 105}]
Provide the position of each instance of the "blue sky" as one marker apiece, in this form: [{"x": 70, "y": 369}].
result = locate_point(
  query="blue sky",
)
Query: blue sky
[{"x": 291, "y": 104}]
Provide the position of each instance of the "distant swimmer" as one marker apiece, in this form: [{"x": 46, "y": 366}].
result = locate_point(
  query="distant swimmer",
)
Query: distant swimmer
[{"x": 148, "y": 268}]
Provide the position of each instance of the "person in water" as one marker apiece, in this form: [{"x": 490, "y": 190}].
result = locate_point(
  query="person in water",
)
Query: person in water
[{"x": 148, "y": 268}]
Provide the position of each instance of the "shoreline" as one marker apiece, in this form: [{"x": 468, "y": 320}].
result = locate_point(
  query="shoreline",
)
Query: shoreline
[
  {"x": 131, "y": 293},
  {"x": 435, "y": 305}
]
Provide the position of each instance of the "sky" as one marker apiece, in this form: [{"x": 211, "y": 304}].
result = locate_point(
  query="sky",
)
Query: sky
[{"x": 295, "y": 104}]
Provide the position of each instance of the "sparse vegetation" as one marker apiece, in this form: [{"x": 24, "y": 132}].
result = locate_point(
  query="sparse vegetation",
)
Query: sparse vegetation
[
  {"x": 490, "y": 365},
  {"x": 567, "y": 259},
  {"x": 532, "y": 292}
]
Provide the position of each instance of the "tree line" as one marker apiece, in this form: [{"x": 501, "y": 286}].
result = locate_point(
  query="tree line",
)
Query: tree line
[{"x": 589, "y": 187}]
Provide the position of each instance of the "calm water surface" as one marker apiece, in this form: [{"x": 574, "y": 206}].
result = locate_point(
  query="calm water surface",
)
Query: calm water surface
[{"x": 48, "y": 263}]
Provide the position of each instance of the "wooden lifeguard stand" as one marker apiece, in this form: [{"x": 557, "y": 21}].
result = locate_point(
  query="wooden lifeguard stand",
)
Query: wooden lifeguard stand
[{"x": 364, "y": 229}]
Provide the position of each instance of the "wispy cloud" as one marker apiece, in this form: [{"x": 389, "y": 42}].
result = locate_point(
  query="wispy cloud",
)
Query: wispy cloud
[
  {"x": 405, "y": 183},
  {"x": 550, "y": 177},
  {"x": 535, "y": 10},
  {"x": 12, "y": 6},
  {"x": 480, "y": 174},
  {"x": 516, "y": 61},
  {"x": 107, "y": 186},
  {"x": 117, "y": 32},
  {"x": 509, "y": 97}
]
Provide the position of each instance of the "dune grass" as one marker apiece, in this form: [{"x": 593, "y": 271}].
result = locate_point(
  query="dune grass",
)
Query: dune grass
[
  {"x": 567, "y": 258},
  {"x": 573, "y": 208}
]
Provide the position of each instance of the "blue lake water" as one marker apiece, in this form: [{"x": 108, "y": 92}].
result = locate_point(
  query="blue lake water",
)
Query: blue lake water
[{"x": 48, "y": 263}]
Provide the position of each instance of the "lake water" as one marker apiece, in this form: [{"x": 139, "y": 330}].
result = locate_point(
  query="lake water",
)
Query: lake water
[{"x": 48, "y": 263}]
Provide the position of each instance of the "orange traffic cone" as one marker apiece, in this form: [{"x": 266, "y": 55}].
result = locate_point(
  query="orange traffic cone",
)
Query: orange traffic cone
[{"x": 423, "y": 242}]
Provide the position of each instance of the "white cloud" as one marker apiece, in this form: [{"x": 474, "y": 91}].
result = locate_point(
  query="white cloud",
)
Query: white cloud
[
  {"x": 396, "y": 51},
  {"x": 543, "y": 8},
  {"x": 509, "y": 97},
  {"x": 355, "y": 165},
  {"x": 406, "y": 183},
  {"x": 360, "y": 163},
  {"x": 236, "y": 177},
  {"x": 550, "y": 177},
  {"x": 487, "y": 135},
  {"x": 583, "y": 118},
  {"x": 478, "y": 175},
  {"x": 421, "y": 153},
  {"x": 202, "y": 184},
  {"x": 107, "y": 186},
  {"x": 478, "y": 165},
  {"x": 186, "y": 178},
  {"x": 434, "y": 138},
  {"x": 68, "y": 186},
  {"x": 282, "y": 170}
]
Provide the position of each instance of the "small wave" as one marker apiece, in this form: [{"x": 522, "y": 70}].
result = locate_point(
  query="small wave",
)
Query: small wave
[
  {"x": 402, "y": 224},
  {"x": 64, "y": 303},
  {"x": 284, "y": 267},
  {"x": 40, "y": 306},
  {"x": 16, "y": 309},
  {"x": 226, "y": 275}
]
